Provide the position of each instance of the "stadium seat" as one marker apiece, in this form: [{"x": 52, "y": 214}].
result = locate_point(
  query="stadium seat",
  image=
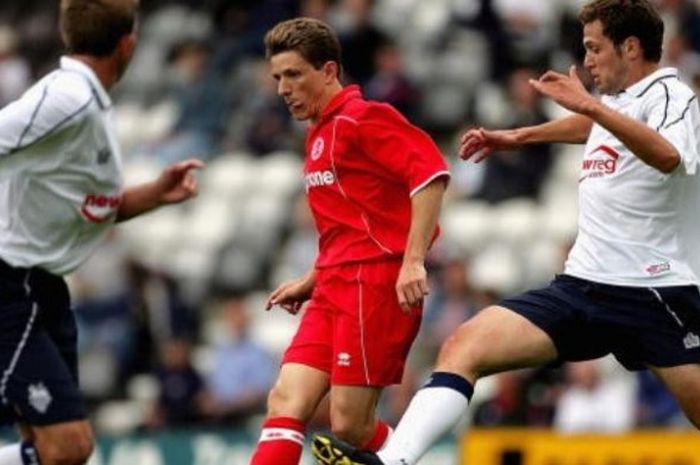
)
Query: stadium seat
[
  {"x": 231, "y": 176},
  {"x": 497, "y": 268},
  {"x": 279, "y": 174},
  {"x": 516, "y": 221},
  {"x": 467, "y": 225},
  {"x": 119, "y": 417}
]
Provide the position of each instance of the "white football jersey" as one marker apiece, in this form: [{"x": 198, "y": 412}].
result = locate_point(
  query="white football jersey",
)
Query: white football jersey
[
  {"x": 60, "y": 171},
  {"x": 637, "y": 225}
]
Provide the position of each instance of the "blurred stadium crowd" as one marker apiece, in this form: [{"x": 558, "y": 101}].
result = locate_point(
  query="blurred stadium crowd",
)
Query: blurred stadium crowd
[{"x": 173, "y": 331}]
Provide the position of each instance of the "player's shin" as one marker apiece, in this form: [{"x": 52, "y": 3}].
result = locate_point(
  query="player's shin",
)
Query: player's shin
[{"x": 435, "y": 408}]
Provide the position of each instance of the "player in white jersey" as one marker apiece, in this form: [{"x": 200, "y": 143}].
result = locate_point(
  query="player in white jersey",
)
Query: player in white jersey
[
  {"x": 60, "y": 191},
  {"x": 630, "y": 285}
]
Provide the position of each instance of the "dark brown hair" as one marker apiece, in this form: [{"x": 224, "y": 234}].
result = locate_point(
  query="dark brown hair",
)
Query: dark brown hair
[
  {"x": 314, "y": 40},
  {"x": 628, "y": 18},
  {"x": 94, "y": 27}
]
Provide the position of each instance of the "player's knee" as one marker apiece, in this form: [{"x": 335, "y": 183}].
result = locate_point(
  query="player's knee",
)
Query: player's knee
[
  {"x": 277, "y": 400},
  {"x": 281, "y": 403}
]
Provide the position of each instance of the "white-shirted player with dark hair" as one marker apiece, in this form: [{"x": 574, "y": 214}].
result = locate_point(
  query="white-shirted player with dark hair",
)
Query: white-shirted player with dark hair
[
  {"x": 630, "y": 285},
  {"x": 60, "y": 191}
]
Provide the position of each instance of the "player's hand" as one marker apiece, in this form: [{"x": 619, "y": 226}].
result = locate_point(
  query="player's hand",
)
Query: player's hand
[
  {"x": 290, "y": 295},
  {"x": 411, "y": 285},
  {"x": 567, "y": 90},
  {"x": 177, "y": 183},
  {"x": 481, "y": 142}
]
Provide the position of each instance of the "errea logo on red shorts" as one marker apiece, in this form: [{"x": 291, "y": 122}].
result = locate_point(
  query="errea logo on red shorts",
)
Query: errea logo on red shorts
[
  {"x": 603, "y": 162},
  {"x": 98, "y": 208},
  {"x": 318, "y": 178},
  {"x": 344, "y": 359}
]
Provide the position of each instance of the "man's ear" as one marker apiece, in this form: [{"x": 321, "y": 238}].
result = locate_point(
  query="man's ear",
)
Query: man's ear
[
  {"x": 632, "y": 48},
  {"x": 331, "y": 71},
  {"x": 127, "y": 44}
]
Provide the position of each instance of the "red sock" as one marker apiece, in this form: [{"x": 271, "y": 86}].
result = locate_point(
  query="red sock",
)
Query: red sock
[
  {"x": 381, "y": 433},
  {"x": 281, "y": 442}
]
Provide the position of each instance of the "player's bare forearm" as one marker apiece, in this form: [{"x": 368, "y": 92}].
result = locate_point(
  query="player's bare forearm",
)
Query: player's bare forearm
[
  {"x": 175, "y": 184},
  {"x": 647, "y": 144},
  {"x": 478, "y": 143},
  {"x": 412, "y": 283},
  {"x": 573, "y": 129},
  {"x": 425, "y": 211},
  {"x": 138, "y": 200}
]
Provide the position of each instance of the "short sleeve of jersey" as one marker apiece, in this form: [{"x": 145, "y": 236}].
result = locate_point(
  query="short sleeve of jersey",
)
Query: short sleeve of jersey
[
  {"x": 400, "y": 147},
  {"x": 675, "y": 115},
  {"x": 40, "y": 111}
]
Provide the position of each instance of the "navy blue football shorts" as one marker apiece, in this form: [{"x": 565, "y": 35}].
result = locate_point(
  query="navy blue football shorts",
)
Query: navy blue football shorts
[
  {"x": 38, "y": 349},
  {"x": 641, "y": 326}
]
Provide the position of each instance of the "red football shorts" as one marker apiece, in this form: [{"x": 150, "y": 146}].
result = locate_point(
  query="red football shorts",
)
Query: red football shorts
[{"x": 353, "y": 328}]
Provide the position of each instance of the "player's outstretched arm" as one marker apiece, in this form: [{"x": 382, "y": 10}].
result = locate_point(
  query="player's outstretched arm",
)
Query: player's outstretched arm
[
  {"x": 567, "y": 90},
  {"x": 175, "y": 184},
  {"x": 291, "y": 295},
  {"x": 480, "y": 143}
]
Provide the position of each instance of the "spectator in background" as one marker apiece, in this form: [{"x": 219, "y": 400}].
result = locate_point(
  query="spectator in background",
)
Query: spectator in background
[
  {"x": 203, "y": 106},
  {"x": 656, "y": 406},
  {"x": 160, "y": 313},
  {"x": 243, "y": 371},
  {"x": 103, "y": 305},
  {"x": 15, "y": 74},
  {"x": 507, "y": 405},
  {"x": 241, "y": 25},
  {"x": 182, "y": 395},
  {"x": 682, "y": 17},
  {"x": 359, "y": 38},
  {"x": 450, "y": 304},
  {"x": 481, "y": 16},
  {"x": 593, "y": 403},
  {"x": 678, "y": 54},
  {"x": 268, "y": 128},
  {"x": 518, "y": 173},
  {"x": 528, "y": 28},
  {"x": 521, "y": 398},
  {"x": 389, "y": 82}
]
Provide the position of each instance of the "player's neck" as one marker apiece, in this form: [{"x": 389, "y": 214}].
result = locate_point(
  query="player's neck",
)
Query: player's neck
[
  {"x": 103, "y": 68},
  {"x": 640, "y": 71},
  {"x": 331, "y": 91}
]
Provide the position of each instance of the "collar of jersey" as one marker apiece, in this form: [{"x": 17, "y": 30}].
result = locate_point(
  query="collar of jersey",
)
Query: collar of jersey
[
  {"x": 71, "y": 64},
  {"x": 340, "y": 99},
  {"x": 640, "y": 87}
]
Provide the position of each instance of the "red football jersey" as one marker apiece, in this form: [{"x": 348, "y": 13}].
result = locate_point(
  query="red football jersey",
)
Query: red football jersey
[{"x": 364, "y": 161}]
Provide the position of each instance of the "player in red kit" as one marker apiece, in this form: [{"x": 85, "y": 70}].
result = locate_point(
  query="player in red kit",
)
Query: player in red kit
[{"x": 375, "y": 185}]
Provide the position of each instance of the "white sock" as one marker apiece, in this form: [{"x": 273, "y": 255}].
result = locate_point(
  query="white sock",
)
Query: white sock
[
  {"x": 11, "y": 455},
  {"x": 434, "y": 409}
]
